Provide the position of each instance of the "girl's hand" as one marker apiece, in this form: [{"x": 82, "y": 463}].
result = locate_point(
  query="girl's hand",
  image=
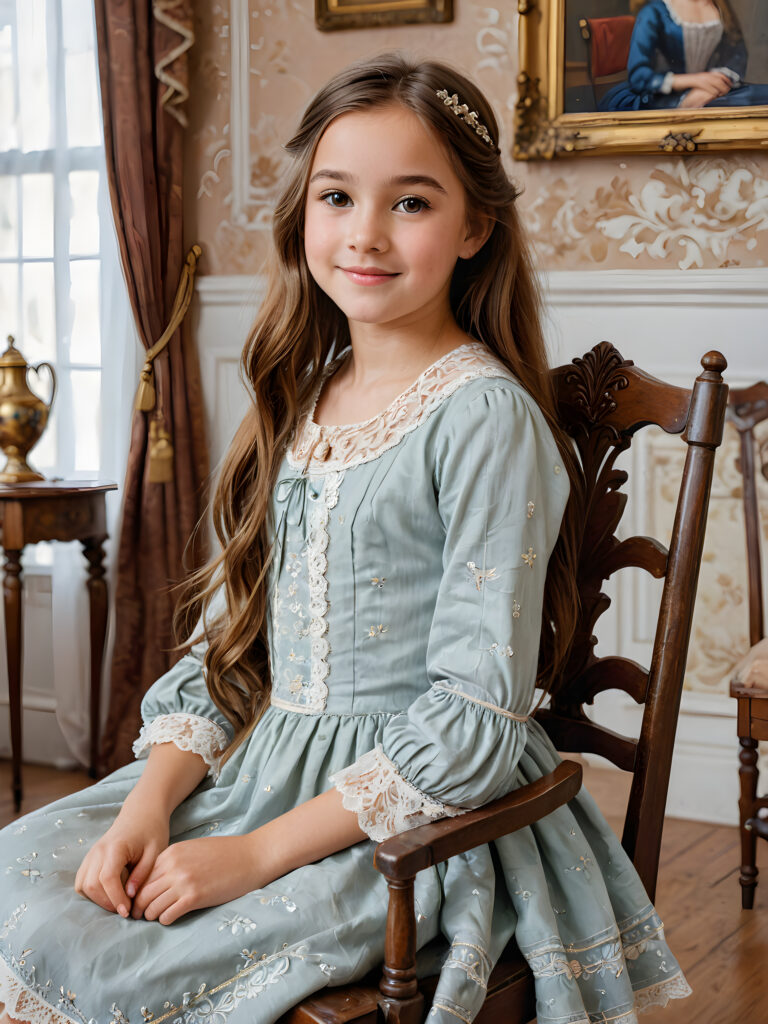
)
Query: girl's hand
[
  {"x": 114, "y": 868},
  {"x": 198, "y": 873},
  {"x": 696, "y": 98},
  {"x": 716, "y": 83}
]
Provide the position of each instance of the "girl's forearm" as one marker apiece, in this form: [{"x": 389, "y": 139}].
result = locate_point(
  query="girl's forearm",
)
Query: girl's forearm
[
  {"x": 169, "y": 776},
  {"x": 309, "y": 832}
]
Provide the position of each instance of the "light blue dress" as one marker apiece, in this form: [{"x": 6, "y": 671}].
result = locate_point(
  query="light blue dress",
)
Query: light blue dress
[{"x": 405, "y": 609}]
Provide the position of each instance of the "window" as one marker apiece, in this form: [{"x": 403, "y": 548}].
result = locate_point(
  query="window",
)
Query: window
[{"x": 54, "y": 217}]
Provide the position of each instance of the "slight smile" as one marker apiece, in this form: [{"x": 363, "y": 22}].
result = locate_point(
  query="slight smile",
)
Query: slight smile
[{"x": 368, "y": 275}]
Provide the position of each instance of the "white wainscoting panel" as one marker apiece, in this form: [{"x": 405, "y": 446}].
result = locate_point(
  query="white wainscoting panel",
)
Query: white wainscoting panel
[{"x": 663, "y": 320}]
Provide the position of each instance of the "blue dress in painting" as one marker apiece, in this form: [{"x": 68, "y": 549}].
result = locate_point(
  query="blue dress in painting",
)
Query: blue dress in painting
[
  {"x": 663, "y": 45},
  {"x": 405, "y": 611}
]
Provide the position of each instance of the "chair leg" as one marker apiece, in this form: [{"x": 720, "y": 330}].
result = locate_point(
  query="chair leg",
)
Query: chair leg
[{"x": 748, "y": 795}]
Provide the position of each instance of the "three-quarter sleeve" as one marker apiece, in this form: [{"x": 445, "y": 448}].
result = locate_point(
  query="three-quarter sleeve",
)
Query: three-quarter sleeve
[
  {"x": 178, "y": 709},
  {"x": 501, "y": 493},
  {"x": 641, "y": 63}
]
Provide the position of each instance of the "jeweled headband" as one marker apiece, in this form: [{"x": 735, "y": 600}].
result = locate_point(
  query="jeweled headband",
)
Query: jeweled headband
[{"x": 468, "y": 116}]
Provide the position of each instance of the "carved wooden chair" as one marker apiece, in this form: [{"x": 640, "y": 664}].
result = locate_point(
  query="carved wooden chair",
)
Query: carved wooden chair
[
  {"x": 603, "y": 400},
  {"x": 746, "y": 408},
  {"x": 607, "y": 41}
]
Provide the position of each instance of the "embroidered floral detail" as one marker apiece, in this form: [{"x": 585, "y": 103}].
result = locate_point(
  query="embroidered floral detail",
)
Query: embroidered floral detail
[
  {"x": 556, "y": 469},
  {"x": 376, "y": 631},
  {"x": 497, "y": 648},
  {"x": 201, "y": 1007},
  {"x": 454, "y": 688},
  {"x": 188, "y": 732},
  {"x": 354, "y": 443},
  {"x": 531, "y": 507},
  {"x": 378, "y": 581},
  {"x": 385, "y": 803},
  {"x": 33, "y": 874},
  {"x": 472, "y": 959},
  {"x": 528, "y": 557},
  {"x": 583, "y": 865},
  {"x": 453, "y": 1008},
  {"x": 479, "y": 576},
  {"x": 515, "y": 610},
  {"x": 236, "y": 924},
  {"x": 13, "y": 920},
  {"x": 278, "y": 901},
  {"x": 27, "y": 1000}
]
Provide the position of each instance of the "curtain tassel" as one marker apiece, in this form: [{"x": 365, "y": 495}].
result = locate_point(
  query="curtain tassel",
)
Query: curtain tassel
[
  {"x": 160, "y": 452},
  {"x": 160, "y": 439}
]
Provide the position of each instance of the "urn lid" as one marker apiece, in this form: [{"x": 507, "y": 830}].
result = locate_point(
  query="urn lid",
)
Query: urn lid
[{"x": 12, "y": 356}]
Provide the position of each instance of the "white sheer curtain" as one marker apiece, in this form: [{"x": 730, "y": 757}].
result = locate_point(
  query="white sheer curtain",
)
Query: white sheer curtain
[{"x": 63, "y": 296}]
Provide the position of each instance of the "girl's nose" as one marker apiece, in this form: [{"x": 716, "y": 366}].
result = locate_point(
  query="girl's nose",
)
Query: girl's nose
[{"x": 366, "y": 233}]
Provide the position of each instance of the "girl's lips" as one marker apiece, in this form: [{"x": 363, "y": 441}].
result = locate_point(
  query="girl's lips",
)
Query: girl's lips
[{"x": 368, "y": 277}]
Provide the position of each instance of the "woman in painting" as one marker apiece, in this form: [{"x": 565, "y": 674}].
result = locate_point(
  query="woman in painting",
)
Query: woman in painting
[{"x": 685, "y": 53}]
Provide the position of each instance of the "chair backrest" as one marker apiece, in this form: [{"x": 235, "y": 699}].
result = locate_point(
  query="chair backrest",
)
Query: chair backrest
[
  {"x": 608, "y": 41},
  {"x": 746, "y": 408},
  {"x": 603, "y": 401}
]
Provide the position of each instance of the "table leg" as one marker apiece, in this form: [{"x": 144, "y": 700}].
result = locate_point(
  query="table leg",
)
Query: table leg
[
  {"x": 93, "y": 549},
  {"x": 13, "y": 646}
]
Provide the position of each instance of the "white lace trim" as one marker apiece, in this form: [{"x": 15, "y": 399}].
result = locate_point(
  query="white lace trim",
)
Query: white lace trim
[
  {"x": 22, "y": 1003},
  {"x": 327, "y": 448},
  {"x": 661, "y": 993},
  {"x": 188, "y": 732},
  {"x": 385, "y": 803}
]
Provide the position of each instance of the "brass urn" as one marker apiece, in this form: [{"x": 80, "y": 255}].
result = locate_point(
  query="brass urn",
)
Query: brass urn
[{"x": 23, "y": 415}]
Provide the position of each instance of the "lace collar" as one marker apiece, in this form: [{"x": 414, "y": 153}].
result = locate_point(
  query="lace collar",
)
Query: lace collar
[{"x": 320, "y": 448}]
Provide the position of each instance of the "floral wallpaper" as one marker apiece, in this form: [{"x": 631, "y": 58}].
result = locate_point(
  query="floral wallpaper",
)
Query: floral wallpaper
[
  {"x": 720, "y": 633},
  {"x": 705, "y": 211}
]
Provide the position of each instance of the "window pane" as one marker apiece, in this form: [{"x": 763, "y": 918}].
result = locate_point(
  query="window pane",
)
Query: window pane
[
  {"x": 34, "y": 92},
  {"x": 83, "y": 119},
  {"x": 39, "y": 339},
  {"x": 37, "y": 215},
  {"x": 85, "y": 342},
  {"x": 9, "y": 301},
  {"x": 86, "y": 403},
  {"x": 84, "y": 218},
  {"x": 9, "y": 138},
  {"x": 44, "y": 455},
  {"x": 9, "y": 216}
]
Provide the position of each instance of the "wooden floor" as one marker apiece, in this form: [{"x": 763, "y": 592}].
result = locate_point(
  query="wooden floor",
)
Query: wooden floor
[{"x": 722, "y": 948}]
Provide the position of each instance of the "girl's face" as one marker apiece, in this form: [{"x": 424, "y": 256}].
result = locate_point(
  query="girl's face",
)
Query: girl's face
[{"x": 386, "y": 218}]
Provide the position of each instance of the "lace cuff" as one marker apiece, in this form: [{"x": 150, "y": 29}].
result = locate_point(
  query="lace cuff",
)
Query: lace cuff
[
  {"x": 385, "y": 802},
  {"x": 188, "y": 732}
]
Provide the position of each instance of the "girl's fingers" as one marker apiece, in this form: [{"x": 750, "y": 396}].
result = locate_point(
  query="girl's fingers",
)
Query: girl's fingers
[
  {"x": 91, "y": 889},
  {"x": 148, "y": 892},
  {"x": 140, "y": 873},
  {"x": 160, "y": 904},
  {"x": 110, "y": 876},
  {"x": 173, "y": 913}
]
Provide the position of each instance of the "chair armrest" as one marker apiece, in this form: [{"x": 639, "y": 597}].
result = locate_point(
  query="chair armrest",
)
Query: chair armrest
[{"x": 404, "y": 855}]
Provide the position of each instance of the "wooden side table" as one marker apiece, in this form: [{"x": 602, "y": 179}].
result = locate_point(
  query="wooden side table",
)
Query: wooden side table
[{"x": 48, "y": 510}]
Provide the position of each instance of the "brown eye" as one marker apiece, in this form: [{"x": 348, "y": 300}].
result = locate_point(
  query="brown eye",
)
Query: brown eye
[
  {"x": 337, "y": 199},
  {"x": 412, "y": 204}
]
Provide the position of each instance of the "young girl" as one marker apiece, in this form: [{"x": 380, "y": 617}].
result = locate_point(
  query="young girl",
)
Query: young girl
[
  {"x": 392, "y": 536},
  {"x": 685, "y": 53}
]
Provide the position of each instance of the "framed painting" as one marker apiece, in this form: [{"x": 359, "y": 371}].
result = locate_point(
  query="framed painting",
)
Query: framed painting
[
  {"x": 639, "y": 76},
  {"x": 333, "y": 14}
]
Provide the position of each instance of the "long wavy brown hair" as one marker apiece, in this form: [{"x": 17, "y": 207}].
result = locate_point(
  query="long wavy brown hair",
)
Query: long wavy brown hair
[{"x": 495, "y": 299}]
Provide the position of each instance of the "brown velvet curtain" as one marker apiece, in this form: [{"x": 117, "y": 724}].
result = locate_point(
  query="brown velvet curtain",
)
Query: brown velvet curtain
[{"x": 143, "y": 47}]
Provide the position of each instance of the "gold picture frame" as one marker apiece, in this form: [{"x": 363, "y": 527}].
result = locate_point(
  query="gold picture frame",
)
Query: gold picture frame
[
  {"x": 336, "y": 14},
  {"x": 543, "y": 130}
]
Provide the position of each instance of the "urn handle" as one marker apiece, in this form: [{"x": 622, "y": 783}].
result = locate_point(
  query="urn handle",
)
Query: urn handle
[{"x": 54, "y": 382}]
